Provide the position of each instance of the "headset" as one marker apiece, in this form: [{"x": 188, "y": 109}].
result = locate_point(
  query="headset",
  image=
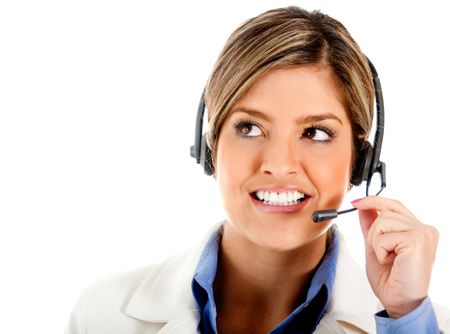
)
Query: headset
[{"x": 367, "y": 162}]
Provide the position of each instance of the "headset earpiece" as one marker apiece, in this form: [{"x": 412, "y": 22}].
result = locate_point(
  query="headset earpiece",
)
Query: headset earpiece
[
  {"x": 205, "y": 156},
  {"x": 201, "y": 151},
  {"x": 363, "y": 163}
]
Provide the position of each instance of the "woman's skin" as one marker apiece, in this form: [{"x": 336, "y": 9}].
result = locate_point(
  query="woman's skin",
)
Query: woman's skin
[{"x": 291, "y": 132}]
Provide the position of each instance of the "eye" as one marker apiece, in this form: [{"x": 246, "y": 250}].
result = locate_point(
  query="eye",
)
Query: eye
[
  {"x": 247, "y": 129},
  {"x": 319, "y": 134}
]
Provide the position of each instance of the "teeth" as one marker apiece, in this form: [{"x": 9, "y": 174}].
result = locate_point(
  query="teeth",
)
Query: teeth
[
  {"x": 286, "y": 198},
  {"x": 273, "y": 197},
  {"x": 290, "y": 197}
]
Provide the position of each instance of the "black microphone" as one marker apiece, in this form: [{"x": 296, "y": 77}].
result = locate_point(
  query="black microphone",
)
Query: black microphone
[{"x": 324, "y": 215}]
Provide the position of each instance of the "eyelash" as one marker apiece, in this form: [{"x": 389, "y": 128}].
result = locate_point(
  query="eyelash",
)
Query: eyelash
[
  {"x": 330, "y": 132},
  {"x": 240, "y": 124}
]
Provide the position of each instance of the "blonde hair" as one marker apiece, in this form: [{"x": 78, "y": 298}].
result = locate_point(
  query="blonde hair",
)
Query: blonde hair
[{"x": 289, "y": 37}]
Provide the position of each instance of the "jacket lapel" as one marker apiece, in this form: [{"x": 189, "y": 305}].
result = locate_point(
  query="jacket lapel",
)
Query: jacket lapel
[
  {"x": 165, "y": 295},
  {"x": 353, "y": 304},
  {"x": 329, "y": 325},
  {"x": 185, "y": 322}
]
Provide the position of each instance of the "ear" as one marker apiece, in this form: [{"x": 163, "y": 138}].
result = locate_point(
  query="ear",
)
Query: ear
[{"x": 349, "y": 187}]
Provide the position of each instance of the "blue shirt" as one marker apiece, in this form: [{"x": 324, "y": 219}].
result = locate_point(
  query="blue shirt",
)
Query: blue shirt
[
  {"x": 307, "y": 315},
  {"x": 421, "y": 320}
]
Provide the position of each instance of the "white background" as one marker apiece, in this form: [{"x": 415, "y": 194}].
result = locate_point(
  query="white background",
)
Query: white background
[{"x": 97, "y": 110}]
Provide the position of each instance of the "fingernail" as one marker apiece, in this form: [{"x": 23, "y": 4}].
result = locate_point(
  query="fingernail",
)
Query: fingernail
[{"x": 356, "y": 201}]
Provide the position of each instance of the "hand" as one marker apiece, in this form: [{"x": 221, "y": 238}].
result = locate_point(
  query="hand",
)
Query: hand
[{"x": 400, "y": 252}]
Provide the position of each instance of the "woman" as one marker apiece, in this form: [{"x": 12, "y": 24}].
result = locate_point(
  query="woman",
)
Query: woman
[{"x": 290, "y": 108}]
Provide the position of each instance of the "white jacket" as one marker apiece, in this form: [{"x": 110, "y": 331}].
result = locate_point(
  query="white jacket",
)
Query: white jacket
[{"x": 158, "y": 299}]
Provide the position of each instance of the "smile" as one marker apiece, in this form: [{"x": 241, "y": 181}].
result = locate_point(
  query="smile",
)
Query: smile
[{"x": 279, "y": 198}]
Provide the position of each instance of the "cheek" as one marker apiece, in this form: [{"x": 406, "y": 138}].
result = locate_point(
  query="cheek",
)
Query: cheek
[
  {"x": 232, "y": 169},
  {"x": 331, "y": 175},
  {"x": 334, "y": 171},
  {"x": 232, "y": 166}
]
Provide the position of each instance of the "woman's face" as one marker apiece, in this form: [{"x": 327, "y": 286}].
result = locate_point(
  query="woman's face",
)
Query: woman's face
[{"x": 284, "y": 152}]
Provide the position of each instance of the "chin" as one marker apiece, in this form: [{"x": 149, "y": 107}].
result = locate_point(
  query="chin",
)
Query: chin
[{"x": 285, "y": 234}]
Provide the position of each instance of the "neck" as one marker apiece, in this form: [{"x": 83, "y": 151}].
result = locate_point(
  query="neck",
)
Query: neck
[{"x": 258, "y": 282}]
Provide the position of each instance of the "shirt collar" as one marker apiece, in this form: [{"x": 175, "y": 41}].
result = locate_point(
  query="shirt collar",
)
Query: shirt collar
[
  {"x": 207, "y": 265},
  {"x": 203, "y": 279},
  {"x": 326, "y": 272}
]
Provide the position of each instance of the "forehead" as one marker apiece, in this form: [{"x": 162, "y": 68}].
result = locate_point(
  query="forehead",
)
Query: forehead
[{"x": 295, "y": 91}]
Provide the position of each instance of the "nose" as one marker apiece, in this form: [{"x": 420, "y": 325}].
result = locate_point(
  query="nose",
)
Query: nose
[{"x": 281, "y": 158}]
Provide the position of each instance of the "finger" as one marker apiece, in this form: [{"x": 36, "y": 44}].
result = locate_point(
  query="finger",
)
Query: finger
[
  {"x": 388, "y": 222},
  {"x": 387, "y": 246},
  {"x": 366, "y": 220},
  {"x": 382, "y": 204}
]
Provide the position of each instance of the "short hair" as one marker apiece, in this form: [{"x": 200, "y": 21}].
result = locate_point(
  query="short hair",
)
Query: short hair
[{"x": 287, "y": 37}]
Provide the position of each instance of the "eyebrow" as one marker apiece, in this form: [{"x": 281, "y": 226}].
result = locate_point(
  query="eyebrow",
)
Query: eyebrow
[
  {"x": 299, "y": 120},
  {"x": 317, "y": 118}
]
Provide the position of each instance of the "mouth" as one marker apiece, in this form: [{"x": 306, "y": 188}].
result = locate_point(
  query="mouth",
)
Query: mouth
[{"x": 286, "y": 199}]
